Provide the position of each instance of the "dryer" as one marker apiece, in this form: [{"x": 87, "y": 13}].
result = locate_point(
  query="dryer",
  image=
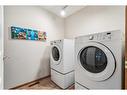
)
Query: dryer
[
  {"x": 62, "y": 62},
  {"x": 99, "y": 61}
]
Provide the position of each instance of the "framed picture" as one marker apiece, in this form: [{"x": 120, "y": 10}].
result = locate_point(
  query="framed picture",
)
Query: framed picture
[{"x": 27, "y": 34}]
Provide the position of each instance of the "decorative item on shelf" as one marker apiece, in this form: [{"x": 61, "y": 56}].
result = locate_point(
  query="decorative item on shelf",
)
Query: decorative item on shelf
[{"x": 27, "y": 34}]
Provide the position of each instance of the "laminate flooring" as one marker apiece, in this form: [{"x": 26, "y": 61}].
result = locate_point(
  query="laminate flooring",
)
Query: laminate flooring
[{"x": 44, "y": 84}]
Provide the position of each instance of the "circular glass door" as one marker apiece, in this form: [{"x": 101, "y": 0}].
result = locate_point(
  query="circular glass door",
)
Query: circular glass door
[
  {"x": 55, "y": 53},
  {"x": 96, "y": 61},
  {"x": 93, "y": 59}
]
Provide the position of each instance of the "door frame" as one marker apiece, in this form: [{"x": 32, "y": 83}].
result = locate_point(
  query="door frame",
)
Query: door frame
[
  {"x": 2, "y": 50},
  {"x": 125, "y": 46}
]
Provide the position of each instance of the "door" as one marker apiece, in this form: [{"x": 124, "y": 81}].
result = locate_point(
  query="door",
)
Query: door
[
  {"x": 56, "y": 54},
  {"x": 93, "y": 59},
  {"x": 97, "y": 61}
]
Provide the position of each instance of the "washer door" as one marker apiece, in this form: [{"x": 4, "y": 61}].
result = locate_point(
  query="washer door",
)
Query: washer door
[
  {"x": 56, "y": 54},
  {"x": 97, "y": 61}
]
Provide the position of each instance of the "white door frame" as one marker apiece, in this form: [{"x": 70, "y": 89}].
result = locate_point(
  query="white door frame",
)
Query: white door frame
[{"x": 1, "y": 48}]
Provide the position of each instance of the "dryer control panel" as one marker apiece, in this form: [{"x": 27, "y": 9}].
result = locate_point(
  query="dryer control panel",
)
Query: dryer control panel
[{"x": 101, "y": 36}]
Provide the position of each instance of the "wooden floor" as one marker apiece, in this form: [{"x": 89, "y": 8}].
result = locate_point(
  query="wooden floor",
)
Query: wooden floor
[
  {"x": 47, "y": 84},
  {"x": 44, "y": 84}
]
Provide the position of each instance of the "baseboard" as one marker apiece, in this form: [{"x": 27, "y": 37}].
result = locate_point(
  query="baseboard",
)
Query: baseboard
[{"x": 34, "y": 81}]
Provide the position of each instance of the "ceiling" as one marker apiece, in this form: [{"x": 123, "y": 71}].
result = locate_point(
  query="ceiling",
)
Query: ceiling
[{"x": 69, "y": 9}]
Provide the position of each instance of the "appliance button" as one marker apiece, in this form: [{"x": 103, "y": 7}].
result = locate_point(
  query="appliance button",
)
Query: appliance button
[{"x": 91, "y": 38}]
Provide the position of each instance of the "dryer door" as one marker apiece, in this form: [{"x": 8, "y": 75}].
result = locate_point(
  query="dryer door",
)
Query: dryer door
[
  {"x": 97, "y": 61},
  {"x": 56, "y": 54}
]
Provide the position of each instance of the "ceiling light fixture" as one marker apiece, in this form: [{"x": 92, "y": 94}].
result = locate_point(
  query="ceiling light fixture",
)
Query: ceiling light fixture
[{"x": 63, "y": 12}]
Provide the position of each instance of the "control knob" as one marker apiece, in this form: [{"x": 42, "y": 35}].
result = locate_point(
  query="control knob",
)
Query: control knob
[{"x": 91, "y": 38}]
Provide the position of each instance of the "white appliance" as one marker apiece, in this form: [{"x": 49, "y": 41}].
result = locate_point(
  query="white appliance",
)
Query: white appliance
[
  {"x": 62, "y": 62},
  {"x": 99, "y": 61}
]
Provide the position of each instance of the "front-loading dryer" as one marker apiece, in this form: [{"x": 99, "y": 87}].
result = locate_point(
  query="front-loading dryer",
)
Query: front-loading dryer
[
  {"x": 99, "y": 61},
  {"x": 62, "y": 62}
]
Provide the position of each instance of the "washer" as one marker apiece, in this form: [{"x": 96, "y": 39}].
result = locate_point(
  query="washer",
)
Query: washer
[
  {"x": 99, "y": 61},
  {"x": 62, "y": 62}
]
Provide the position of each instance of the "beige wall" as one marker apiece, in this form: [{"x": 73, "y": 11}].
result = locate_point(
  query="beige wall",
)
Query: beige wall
[
  {"x": 93, "y": 19},
  {"x": 28, "y": 60}
]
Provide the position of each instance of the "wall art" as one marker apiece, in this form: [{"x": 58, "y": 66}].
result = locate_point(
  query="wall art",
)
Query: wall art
[{"x": 27, "y": 34}]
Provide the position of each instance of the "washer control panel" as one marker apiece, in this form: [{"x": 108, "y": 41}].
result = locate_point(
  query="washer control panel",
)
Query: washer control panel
[
  {"x": 54, "y": 42},
  {"x": 107, "y": 36},
  {"x": 101, "y": 36}
]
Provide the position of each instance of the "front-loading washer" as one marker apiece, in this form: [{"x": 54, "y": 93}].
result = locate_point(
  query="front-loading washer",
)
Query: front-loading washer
[
  {"x": 62, "y": 62},
  {"x": 99, "y": 61}
]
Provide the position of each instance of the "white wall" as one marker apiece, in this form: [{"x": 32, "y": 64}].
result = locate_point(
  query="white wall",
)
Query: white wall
[
  {"x": 28, "y": 60},
  {"x": 93, "y": 19},
  {"x": 1, "y": 50}
]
